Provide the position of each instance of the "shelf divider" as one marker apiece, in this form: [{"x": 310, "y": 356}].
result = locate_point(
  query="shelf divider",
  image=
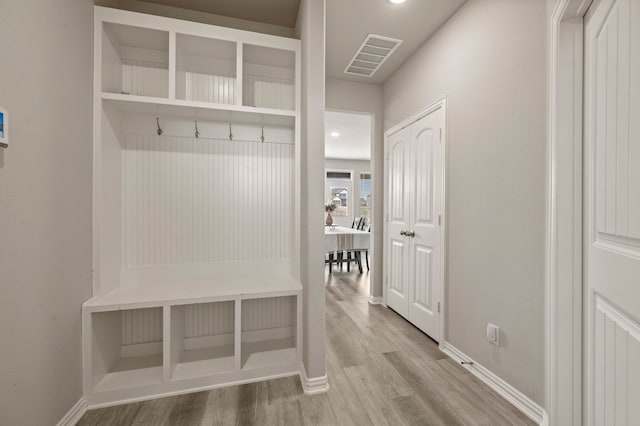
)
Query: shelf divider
[{"x": 172, "y": 65}]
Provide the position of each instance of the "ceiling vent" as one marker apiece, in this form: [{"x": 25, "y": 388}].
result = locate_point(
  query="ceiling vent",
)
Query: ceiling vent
[{"x": 371, "y": 55}]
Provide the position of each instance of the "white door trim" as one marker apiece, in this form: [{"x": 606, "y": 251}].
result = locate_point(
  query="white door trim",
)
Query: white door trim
[
  {"x": 439, "y": 104},
  {"x": 563, "y": 275}
]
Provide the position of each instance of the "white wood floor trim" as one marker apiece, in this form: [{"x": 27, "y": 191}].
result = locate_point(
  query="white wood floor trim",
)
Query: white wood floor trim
[
  {"x": 313, "y": 385},
  {"x": 74, "y": 415},
  {"x": 375, "y": 300},
  {"x": 519, "y": 400}
]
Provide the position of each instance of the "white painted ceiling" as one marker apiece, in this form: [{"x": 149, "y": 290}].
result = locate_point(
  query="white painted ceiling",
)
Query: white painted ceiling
[
  {"x": 349, "y": 22},
  {"x": 354, "y": 141}
]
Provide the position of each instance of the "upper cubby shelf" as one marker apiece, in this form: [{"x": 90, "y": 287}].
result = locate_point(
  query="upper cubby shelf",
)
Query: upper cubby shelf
[
  {"x": 206, "y": 70},
  {"x": 135, "y": 61},
  {"x": 151, "y": 59},
  {"x": 268, "y": 77},
  {"x": 199, "y": 110}
]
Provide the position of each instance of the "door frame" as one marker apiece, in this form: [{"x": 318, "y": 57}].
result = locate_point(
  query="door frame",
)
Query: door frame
[
  {"x": 375, "y": 180},
  {"x": 439, "y": 104},
  {"x": 564, "y": 233}
]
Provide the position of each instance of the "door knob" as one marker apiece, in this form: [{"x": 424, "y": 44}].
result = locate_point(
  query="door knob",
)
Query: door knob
[
  {"x": 403, "y": 232},
  {"x": 410, "y": 234}
]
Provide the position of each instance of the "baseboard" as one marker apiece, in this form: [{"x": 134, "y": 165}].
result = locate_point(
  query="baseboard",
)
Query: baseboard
[
  {"x": 160, "y": 395},
  {"x": 545, "y": 419},
  {"x": 313, "y": 385},
  {"x": 375, "y": 300},
  {"x": 74, "y": 415},
  {"x": 504, "y": 389}
]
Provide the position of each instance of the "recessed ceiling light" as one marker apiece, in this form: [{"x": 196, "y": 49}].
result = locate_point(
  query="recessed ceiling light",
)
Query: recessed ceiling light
[
  {"x": 335, "y": 134},
  {"x": 397, "y": 1}
]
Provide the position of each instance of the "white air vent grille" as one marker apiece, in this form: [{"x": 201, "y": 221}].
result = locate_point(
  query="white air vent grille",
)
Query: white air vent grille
[{"x": 371, "y": 55}]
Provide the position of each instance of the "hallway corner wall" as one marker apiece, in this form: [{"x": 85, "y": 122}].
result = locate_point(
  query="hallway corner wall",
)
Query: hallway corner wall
[
  {"x": 45, "y": 205},
  {"x": 489, "y": 60}
]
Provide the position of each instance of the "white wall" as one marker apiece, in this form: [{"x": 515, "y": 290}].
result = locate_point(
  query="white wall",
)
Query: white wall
[
  {"x": 45, "y": 205},
  {"x": 311, "y": 29},
  {"x": 357, "y": 167},
  {"x": 490, "y": 61},
  {"x": 346, "y": 95}
]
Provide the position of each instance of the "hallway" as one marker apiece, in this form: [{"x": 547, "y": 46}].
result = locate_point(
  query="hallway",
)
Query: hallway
[{"x": 382, "y": 371}]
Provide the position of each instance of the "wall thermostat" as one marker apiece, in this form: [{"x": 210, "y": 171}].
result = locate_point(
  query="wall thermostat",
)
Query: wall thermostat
[{"x": 4, "y": 128}]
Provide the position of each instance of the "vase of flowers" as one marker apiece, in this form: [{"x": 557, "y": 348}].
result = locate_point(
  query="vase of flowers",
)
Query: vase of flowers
[{"x": 329, "y": 208}]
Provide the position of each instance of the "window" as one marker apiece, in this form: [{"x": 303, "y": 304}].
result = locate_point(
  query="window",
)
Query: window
[
  {"x": 365, "y": 195},
  {"x": 339, "y": 191}
]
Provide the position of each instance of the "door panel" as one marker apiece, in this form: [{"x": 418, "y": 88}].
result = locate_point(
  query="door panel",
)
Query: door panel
[
  {"x": 424, "y": 145},
  {"x": 425, "y": 275},
  {"x": 423, "y": 298},
  {"x": 399, "y": 209},
  {"x": 612, "y": 210}
]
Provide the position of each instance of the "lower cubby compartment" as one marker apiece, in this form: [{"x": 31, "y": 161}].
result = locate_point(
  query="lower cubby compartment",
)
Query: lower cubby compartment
[
  {"x": 152, "y": 348},
  {"x": 202, "y": 339},
  {"x": 269, "y": 332},
  {"x": 127, "y": 348}
]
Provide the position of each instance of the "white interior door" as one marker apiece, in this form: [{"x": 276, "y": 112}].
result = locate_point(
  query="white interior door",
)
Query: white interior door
[
  {"x": 612, "y": 212},
  {"x": 414, "y": 244},
  {"x": 425, "y": 275},
  {"x": 399, "y": 153}
]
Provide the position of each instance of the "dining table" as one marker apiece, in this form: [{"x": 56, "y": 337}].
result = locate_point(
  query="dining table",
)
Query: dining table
[{"x": 338, "y": 239}]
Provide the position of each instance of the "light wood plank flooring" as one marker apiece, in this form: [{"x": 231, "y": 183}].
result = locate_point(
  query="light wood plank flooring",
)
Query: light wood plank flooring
[{"x": 382, "y": 371}]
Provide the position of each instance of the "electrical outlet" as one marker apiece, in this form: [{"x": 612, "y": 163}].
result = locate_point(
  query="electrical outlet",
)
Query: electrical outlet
[{"x": 493, "y": 334}]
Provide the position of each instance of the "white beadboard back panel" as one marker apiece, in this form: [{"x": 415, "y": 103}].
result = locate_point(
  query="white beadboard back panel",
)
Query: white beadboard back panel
[
  {"x": 188, "y": 200},
  {"x": 268, "y": 86},
  {"x": 615, "y": 388},
  {"x": 209, "y": 319},
  {"x": 144, "y": 78},
  {"x": 206, "y": 87},
  {"x": 271, "y": 312},
  {"x": 141, "y": 326},
  {"x": 268, "y": 92}
]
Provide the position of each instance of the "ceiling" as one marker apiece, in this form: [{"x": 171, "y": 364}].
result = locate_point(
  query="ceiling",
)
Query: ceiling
[
  {"x": 354, "y": 140},
  {"x": 349, "y": 22}
]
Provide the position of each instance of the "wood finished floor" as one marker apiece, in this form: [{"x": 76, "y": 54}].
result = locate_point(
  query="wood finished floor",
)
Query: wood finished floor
[{"x": 382, "y": 371}]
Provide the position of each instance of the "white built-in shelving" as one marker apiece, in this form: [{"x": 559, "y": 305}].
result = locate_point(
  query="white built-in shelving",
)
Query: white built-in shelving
[{"x": 196, "y": 230}]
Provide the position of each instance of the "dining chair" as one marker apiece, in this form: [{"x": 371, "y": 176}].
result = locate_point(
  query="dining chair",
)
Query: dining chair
[
  {"x": 330, "y": 258},
  {"x": 357, "y": 254}
]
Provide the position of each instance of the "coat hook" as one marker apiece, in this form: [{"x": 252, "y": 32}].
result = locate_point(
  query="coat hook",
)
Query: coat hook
[
  {"x": 197, "y": 132},
  {"x": 158, "y": 124},
  {"x": 230, "y": 133},
  {"x": 262, "y": 134}
]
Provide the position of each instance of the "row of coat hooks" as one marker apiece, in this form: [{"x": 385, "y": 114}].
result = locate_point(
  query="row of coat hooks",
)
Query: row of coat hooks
[{"x": 197, "y": 132}]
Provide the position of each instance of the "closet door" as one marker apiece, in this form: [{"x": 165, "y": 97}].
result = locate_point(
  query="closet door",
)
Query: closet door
[
  {"x": 424, "y": 237},
  {"x": 400, "y": 188},
  {"x": 612, "y": 212}
]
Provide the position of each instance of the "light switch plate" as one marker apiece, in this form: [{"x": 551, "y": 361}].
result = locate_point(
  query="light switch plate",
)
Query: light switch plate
[{"x": 493, "y": 334}]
